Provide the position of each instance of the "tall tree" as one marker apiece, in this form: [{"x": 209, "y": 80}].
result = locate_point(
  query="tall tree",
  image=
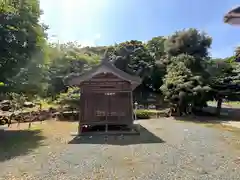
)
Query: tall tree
[
  {"x": 156, "y": 47},
  {"x": 22, "y": 35},
  {"x": 224, "y": 81},
  {"x": 65, "y": 60},
  {"x": 188, "y": 49},
  {"x": 189, "y": 41},
  {"x": 182, "y": 86},
  {"x": 237, "y": 54}
]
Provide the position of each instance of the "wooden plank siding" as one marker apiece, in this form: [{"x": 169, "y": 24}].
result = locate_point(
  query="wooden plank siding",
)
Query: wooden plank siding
[{"x": 106, "y": 99}]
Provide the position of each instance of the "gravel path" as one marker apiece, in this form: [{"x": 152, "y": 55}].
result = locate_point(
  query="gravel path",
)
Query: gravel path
[
  {"x": 235, "y": 124},
  {"x": 168, "y": 149}
]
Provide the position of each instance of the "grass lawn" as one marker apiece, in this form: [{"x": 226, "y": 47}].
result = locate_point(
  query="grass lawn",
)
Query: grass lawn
[{"x": 235, "y": 104}]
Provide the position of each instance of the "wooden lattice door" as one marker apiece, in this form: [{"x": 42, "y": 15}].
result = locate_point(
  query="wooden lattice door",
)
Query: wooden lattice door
[
  {"x": 119, "y": 107},
  {"x": 108, "y": 107}
]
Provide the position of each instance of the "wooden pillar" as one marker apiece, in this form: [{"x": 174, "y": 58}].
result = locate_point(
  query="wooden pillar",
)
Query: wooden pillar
[
  {"x": 79, "y": 128},
  {"x": 106, "y": 113},
  {"x": 81, "y": 112},
  {"x": 131, "y": 101},
  {"x": 106, "y": 127},
  {"x": 79, "y": 120}
]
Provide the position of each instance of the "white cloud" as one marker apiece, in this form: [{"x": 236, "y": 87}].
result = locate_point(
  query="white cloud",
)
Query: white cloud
[
  {"x": 97, "y": 36},
  {"x": 92, "y": 42},
  {"x": 85, "y": 42},
  {"x": 71, "y": 20}
]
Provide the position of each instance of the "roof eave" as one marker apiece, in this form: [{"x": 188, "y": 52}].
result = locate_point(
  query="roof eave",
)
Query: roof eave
[
  {"x": 232, "y": 20},
  {"x": 79, "y": 78},
  {"x": 232, "y": 16}
]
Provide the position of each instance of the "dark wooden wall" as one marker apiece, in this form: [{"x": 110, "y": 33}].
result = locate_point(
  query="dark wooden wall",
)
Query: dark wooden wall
[{"x": 106, "y": 99}]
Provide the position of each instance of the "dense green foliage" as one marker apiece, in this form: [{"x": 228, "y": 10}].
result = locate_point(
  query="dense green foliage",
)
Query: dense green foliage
[
  {"x": 177, "y": 68},
  {"x": 22, "y": 44},
  {"x": 69, "y": 99},
  {"x": 143, "y": 114},
  {"x": 148, "y": 113}
]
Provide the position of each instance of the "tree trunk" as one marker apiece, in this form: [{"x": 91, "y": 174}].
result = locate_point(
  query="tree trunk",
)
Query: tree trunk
[{"x": 219, "y": 106}]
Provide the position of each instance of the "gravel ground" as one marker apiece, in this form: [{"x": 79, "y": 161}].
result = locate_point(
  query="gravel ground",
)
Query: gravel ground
[
  {"x": 232, "y": 123},
  {"x": 166, "y": 149}
]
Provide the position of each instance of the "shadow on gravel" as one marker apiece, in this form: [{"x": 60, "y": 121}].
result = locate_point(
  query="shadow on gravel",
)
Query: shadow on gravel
[
  {"x": 145, "y": 137},
  {"x": 200, "y": 119},
  {"x": 15, "y": 143},
  {"x": 227, "y": 113},
  {"x": 208, "y": 116}
]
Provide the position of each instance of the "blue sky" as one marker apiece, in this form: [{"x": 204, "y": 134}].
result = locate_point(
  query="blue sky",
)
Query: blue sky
[{"x": 104, "y": 22}]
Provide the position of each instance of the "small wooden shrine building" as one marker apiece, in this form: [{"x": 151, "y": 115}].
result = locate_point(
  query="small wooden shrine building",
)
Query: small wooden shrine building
[{"x": 106, "y": 95}]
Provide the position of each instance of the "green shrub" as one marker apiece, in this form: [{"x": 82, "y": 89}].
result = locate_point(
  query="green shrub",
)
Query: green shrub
[
  {"x": 147, "y": 114},
  {"x": 143, "y": 114},
  {"x": 2, "y": 122},
  {"x": 70, "y": 99}
]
